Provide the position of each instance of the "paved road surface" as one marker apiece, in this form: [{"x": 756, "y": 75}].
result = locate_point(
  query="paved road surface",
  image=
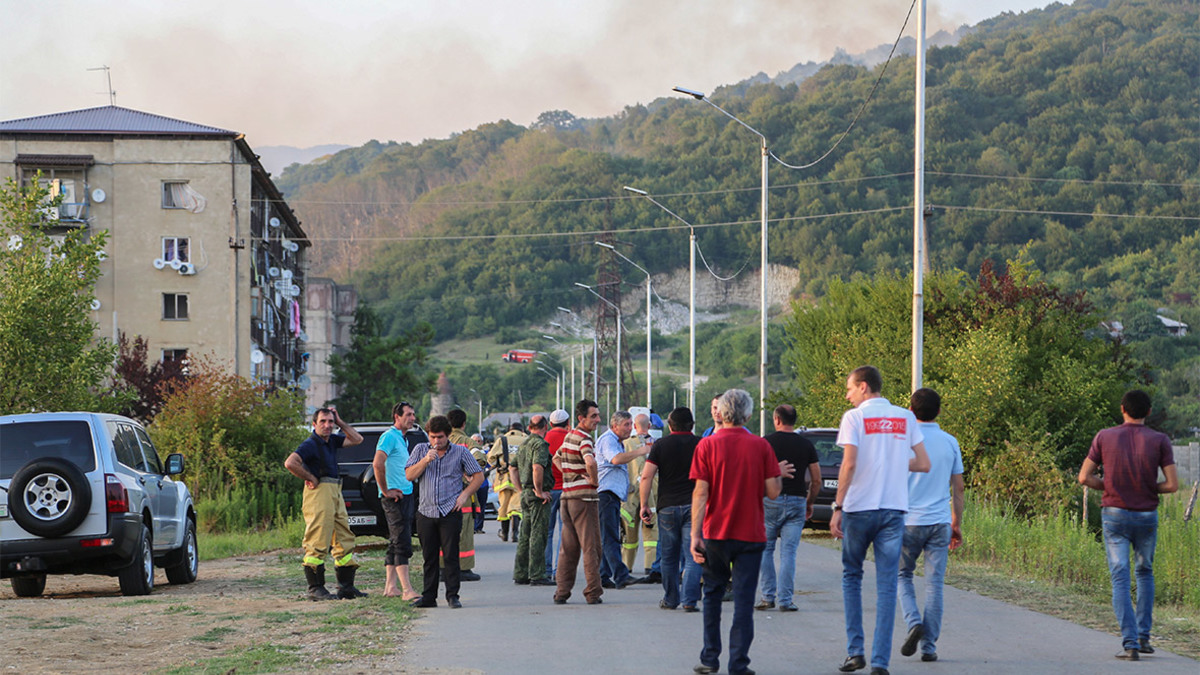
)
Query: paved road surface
[{"x": 502, "y": 626}]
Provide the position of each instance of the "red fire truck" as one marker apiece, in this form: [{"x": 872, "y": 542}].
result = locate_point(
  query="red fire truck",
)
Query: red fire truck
[{"x": 518, "y": 356}]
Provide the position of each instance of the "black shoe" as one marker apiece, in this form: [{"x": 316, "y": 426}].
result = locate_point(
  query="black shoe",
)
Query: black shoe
[
  {"x": 479, "y": 531},
  {"x": 910, "y": 643},
  {"x": 422, "y": 603},
  {"x": 315, "y": 576},
  {"x": 1128, "y": 655},
  {"x": 853, "y": 663},
  {"x": 764, "y": 604},
  {"x": 629, "y": 581},
  {"x": 466, "y": 575},
  {"x": 703, "y": 669},
  {"x": 541, "y": 582},
  {"x": 454, "y": 603},
  {"x": 559, "y": 601},
  {"x": 662, "y": 604},
  {"x": 728, "y": 596},
  {"x": 1144, "y": 646},
  {"x": 929, "y": 657},
  {"x": 879, "y": 671},
  {"x": 607, "y": 583},
  {"x": 789, "y": 608},
  {"x": 653, "y": 578},
  {"x": 520, "y": 582},
  {"x": 691, "y": 608}
]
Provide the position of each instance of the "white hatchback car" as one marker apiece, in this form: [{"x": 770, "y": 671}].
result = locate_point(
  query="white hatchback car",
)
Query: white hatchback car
[{"x": 86, "y": 493}]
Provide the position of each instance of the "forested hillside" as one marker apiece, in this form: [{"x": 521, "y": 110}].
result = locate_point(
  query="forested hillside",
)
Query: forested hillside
[{"x": 1070, "y": 131}]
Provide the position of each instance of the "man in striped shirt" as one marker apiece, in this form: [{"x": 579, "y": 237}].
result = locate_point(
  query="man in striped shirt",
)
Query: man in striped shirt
[
  {"x": 440, "y": 466},
  {"x": 579, "y": 507}
]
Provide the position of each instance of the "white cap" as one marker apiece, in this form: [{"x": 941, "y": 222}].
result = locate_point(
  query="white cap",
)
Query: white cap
[{"x": 559, "y": 416}]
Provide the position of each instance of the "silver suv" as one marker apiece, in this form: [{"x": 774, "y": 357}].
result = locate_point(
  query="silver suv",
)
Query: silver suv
[{"x": 86, "y": 493}]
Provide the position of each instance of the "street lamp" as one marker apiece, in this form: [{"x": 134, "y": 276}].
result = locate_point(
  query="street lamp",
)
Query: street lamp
[
  {"x": 572, "y": 357},
  {"x": 692, "y": 293},
  {"x": 649, "y": 388},
  {"x": 557, "y": 382},
  {"x": 762, "y": 365},
  {"x": 479, "y": 400},
  {"x": 610, "y": 303},
  {"x": 583, "y": 364}
]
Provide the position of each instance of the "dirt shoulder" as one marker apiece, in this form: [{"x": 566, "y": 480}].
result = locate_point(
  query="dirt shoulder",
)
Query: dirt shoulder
[{"x": 247, "y": 613}]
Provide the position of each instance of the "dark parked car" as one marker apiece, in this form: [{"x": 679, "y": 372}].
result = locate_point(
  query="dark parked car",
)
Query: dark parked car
[
  {"x": 359, "y": 488},
  {"x": 86, "y": 493},
  {"x": 829, "y": 455}
]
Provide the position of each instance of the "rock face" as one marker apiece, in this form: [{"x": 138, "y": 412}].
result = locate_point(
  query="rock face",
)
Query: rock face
[{"x": 712, "y": 293}]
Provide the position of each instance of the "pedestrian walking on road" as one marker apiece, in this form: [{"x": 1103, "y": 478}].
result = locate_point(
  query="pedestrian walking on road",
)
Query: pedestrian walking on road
[
  {"x": 579, "y": 508},
  {"x": 1132, "y": 455},
  {"x": 733, "y": 470},
  {"x": 881, "y": 443},
  {"x": 932, "y": 527}
]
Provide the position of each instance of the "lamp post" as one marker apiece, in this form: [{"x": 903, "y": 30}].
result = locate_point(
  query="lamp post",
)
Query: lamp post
[
  {"x": 583, "y": 364},
  {"x": 918, "y": 309},
  {"x": 649, "y": 388},
  {"x": 762, "y": 365},
  {"x": 691, "y": 401},
  {"x": 557, "y": 382},
  {"x": 572, "y": 357},
  {"x": 610, "y": 303},
  {"x": 479, "y": 400}
]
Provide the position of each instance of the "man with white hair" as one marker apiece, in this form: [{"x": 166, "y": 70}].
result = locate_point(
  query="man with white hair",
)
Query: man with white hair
[
  {"x": 733, "y": 470},
  {"x": 611, "y": 460}
]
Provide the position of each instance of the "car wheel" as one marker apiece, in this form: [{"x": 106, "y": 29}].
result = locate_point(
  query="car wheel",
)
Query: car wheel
[
  {"x": 138, "y": 577},
  {"x": 49, "y": 497},
  {"x": 184, "y": 572},
  {"x": 29, "y": 587}
]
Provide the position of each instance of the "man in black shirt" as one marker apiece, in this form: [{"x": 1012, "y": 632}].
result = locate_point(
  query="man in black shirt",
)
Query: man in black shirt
[
  {"x": 671, "y": 459},
  {"x": 785, "y": 515}
]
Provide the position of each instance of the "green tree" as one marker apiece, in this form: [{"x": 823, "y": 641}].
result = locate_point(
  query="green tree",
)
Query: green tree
[
  {"x": 49, "y": 357},
  {"x": 378, "y": 371}
]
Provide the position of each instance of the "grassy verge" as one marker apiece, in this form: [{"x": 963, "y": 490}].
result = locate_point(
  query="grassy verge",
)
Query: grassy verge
[{"x": 216, "y": 545}]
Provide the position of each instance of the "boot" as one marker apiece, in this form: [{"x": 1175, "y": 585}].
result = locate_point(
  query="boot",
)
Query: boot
[
  {"x": 516, "y": 528},
  {"x": 503, "y": 533},
  {"x": 345, "y": 580},
  {"x": 316, "y": 583}
]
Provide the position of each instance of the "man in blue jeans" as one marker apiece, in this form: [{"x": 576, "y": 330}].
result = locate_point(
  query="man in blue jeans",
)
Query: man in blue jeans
[
  {"x": 872, "y": 497},
  {"x": 1131, "y": 455},
  {"x": 931, "y": 527},
  {"x": 670, "y": 460},
  {"x": 554, "y": 438},
  {"x": 611, "y": 459},
  {"x": 785, "y": 515}
]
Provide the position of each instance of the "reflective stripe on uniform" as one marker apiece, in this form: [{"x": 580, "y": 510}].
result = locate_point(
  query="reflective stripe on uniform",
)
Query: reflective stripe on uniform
[
  {"x": 466, "y": 554},
  {"x": 314, "y": 562},
  {"x": 345, "y": 560}
]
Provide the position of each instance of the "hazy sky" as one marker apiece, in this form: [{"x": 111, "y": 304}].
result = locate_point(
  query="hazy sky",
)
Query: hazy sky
[{"x": 306, "y": 72}]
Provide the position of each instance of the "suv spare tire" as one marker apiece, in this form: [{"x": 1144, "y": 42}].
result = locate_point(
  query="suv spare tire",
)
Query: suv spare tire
[{"x": 49, "y": 497}]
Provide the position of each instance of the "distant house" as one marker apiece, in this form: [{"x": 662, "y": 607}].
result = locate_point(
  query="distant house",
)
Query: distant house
[
  {"x": 1176, "y": 328},
  {"x": 204, "y": 257}
]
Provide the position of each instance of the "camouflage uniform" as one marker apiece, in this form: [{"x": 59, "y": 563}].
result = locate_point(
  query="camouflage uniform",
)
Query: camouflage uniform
[{"x": 530, "y": 563}]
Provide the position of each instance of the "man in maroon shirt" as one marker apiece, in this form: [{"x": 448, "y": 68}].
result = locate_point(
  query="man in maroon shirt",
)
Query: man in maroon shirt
[
  {"x": 1131, "y": 455},
  {"x": 554, "y": 438},
  {"x": 733, "y": 470}
]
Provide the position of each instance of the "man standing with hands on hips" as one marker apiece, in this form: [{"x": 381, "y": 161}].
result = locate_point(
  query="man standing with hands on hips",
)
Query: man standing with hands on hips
[{"x": 325, "y": 520}]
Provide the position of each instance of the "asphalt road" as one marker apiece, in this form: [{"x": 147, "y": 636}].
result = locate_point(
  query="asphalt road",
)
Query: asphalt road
[{"x": 505, "y": 628}]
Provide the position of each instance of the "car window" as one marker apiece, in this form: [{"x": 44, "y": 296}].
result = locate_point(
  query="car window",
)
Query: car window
[
  {"x": 363, "y": 452},
  {"x": 829, "y": 453},
  {"x": 153, "y": 463},
  {"x": 24, "y": 442},
  {"x": 126, "y": 446}
]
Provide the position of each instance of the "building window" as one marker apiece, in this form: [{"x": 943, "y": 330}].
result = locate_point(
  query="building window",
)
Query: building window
[
  {"x": 175, "y": 306},
  {"x": 170, "y": 355},
  {"x": 175, "y": 248},
  {"x": 178, "y": 194}
]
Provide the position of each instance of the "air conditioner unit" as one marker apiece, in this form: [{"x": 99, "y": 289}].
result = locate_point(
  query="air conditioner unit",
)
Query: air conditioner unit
[{"x": 187, "y": 269}]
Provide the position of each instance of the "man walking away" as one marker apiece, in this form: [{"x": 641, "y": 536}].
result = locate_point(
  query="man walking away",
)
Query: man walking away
[
  {"x": 395, "y": 494},
  {"x": 733, "y": 470},
  {"x": 579, "y": 508},
  {"x": 326, "y": 525},
  {"x": 786, "y": 514},
  {"x": 440, "y": 466},
  {"x": 872, "y": 497},
  {"x": 1132, "y": 455},
  {"x": 670, "y": 460},
  {"x": 530, "y": 472},
  {"x": 508, "y": 511},
  {"x": 933, "y": 526}
]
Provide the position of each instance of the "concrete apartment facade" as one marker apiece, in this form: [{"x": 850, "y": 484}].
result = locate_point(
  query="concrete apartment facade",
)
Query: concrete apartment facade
[{"x": 204, "y": 257}]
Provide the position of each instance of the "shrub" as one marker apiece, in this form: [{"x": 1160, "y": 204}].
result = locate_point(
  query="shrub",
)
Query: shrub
[{"x": 1022, "y": 480}]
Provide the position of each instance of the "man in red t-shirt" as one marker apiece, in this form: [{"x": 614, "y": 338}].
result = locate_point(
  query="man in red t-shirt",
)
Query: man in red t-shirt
[
  {"x": 558, "y": 431},
  {"x": 1131, "y": 455},
  {"x": 733, "y": 470}
]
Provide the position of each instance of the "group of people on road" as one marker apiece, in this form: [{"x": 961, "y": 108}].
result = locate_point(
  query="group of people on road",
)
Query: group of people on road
[{"x": 712, "y": 509}]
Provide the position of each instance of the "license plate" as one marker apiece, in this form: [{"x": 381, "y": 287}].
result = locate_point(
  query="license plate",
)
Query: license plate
[
  {"x": 831, "y": 483},
  {"x": 3, "y": 510},
  {"x": 362, "y": 520}
]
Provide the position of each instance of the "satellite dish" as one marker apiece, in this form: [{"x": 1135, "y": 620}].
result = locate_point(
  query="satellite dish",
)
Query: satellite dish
[
  {"x": 303, "y": 337},
  {"x": 273, "y": 271},
  {"x": 294, "y": 290},
  {"x": 15, "y": 242},
  {"x": 293, "y": 246},
  {"x": 304, "y": 382},
  {"x": 274, "y": 222},
  {"x": 256, "y": 356},
  {"x": 99, "y": 196},
  {"x": 95, "y": 305},
  {"x": 159, "y": 263},
  {"x": 176, "y": 263},
  {"x": 286, "y": 274}
]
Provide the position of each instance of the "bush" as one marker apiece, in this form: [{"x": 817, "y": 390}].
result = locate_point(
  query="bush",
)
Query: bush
[
  {"x": 1023, "y": 481},
  {"x": 235, "y": 435}
]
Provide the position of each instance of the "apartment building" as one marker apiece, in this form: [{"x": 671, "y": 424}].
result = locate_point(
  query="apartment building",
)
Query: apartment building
[{"x": 204, "y": 257}]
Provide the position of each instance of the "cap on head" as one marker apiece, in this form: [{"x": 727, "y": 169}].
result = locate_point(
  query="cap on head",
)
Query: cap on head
[{"x": 559, "y": 416}]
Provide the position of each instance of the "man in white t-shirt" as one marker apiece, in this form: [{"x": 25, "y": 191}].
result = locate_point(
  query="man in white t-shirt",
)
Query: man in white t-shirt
[
  {"x": 881, "y": 443},
  {"x": 931, "y": 528}
]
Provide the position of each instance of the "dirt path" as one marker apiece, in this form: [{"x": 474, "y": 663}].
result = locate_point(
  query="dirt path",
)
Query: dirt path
[{"x": 246, "y": 613}]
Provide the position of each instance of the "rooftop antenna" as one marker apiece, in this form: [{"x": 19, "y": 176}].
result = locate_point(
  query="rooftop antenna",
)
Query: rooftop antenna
[{"x": 112, "y": 95}]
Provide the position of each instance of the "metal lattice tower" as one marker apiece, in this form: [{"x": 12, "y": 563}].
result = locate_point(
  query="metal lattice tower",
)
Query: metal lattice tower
[{"x": 608, "y": 285}]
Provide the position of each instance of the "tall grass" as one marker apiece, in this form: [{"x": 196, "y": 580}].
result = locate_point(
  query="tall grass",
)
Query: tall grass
[
  {"x": 1060, "y": 549},
  {"x": 248, "y": 508},
  {"x": 286, "y": 534}
]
